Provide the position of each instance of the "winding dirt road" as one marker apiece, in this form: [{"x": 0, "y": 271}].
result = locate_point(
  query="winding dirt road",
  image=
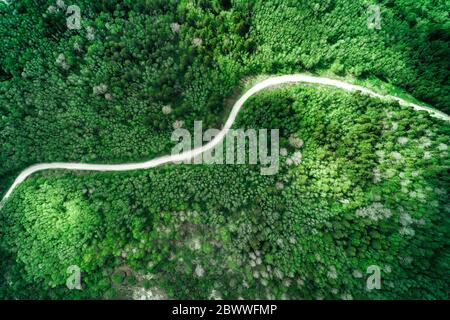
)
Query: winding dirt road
[{"x": 270, "y": 82}]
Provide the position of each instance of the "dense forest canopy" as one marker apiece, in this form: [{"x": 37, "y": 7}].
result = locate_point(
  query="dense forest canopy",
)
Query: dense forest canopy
[{"x": 362, "y": 181}]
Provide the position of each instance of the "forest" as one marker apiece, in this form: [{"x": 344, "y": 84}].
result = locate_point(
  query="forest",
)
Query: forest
[{"x": 362, "y": 181}]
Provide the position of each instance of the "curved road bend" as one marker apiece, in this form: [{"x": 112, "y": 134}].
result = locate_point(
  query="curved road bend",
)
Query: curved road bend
[{"x": 270, "y": 82}]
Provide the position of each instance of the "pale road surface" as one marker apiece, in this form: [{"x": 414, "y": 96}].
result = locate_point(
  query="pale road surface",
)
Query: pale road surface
[{"x": 270, "y": 82}]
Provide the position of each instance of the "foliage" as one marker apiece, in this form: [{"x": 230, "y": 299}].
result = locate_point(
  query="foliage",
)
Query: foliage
[
  {"x": 362, "y": 182},
  {"x": 209, "y": 231}
]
